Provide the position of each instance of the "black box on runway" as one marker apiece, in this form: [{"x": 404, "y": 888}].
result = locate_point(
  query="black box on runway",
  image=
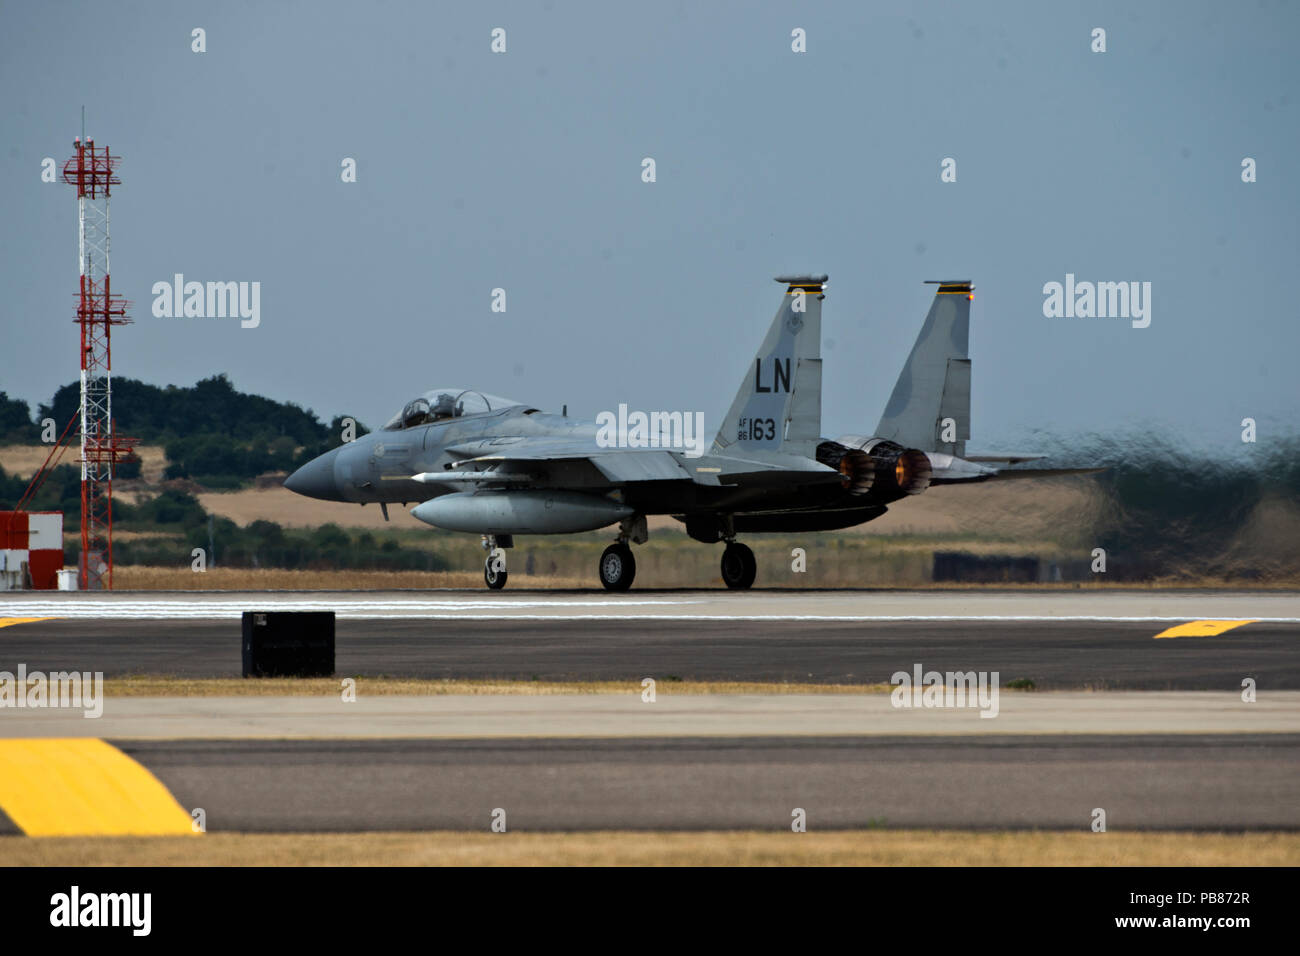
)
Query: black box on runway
[{"x": 288, "y": 643}]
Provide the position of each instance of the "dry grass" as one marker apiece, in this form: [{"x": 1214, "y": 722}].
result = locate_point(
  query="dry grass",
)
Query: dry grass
[
  {"x": 72, "y": 535},
  {"x": 23, "y": 460},
  {"x": 623, "y": 848},
  {"x": 161, "y": 686},
  {"x": 294, "y": 511}
]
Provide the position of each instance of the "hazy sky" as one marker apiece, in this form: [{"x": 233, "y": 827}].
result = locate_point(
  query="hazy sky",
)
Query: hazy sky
[{"x": 523, "y": 171}]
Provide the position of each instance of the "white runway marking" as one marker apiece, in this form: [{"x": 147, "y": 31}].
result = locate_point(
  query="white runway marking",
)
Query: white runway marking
[
  {"x": 162, "y": 610},
  {"x": 474, "y": 611},
  {"x": 1150, "y": 607}
]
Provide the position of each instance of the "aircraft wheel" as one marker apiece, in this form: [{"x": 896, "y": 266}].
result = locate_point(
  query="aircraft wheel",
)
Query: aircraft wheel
[
  {"x": 739, "y": 567},
  {"x": 617, "y": 567},
  {"x": 494, "y": 573}
]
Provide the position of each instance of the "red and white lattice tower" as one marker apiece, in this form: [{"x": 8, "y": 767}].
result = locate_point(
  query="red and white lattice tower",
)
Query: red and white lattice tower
[{"x": 93, "y": 171}]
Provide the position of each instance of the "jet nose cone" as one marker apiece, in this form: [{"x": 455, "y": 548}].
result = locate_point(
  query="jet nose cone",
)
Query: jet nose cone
[{"x": 316, "y": 479}]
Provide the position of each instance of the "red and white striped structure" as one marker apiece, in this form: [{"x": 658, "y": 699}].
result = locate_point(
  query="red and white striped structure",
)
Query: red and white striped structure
[
  {"x": 31, "y": 550},
  {"x": 92, "y": 170}
]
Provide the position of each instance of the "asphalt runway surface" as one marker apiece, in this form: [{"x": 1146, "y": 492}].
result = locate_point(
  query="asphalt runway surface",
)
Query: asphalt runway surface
[
  {"x": 1171, "y": 782},
  {"x": 1066, "y": 654}
]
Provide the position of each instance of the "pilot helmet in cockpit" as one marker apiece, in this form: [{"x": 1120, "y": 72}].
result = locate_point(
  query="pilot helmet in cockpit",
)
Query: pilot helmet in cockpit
[
  {"x": 445, "y": 407},
  {"x": 416, "y": 412}
]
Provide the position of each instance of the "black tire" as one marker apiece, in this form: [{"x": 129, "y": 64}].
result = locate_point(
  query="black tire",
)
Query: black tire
[
  {"x": 494, "y": 578},
  {"x": 739, "y": 567},
  {"x": 617, "y": 567}
]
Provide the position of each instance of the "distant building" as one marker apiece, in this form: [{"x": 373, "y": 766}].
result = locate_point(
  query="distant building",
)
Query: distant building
[{"x": 31, "y": 550}]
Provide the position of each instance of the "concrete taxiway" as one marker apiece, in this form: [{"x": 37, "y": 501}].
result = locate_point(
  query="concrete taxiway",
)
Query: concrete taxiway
[{"x": 627, "y": 715}]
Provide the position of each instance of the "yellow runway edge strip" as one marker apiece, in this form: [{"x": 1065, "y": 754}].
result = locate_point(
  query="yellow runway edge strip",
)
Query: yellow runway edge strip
[
  {"x": 10, "y": 621},
  {"x": 1202, "y": 628},
  {"x": 83, "y": 787}
]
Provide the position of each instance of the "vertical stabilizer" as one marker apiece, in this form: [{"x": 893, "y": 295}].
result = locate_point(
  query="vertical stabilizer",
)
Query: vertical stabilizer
[
  {"x": 929, "y": 408},
  {"x": 779, "y": 405}
]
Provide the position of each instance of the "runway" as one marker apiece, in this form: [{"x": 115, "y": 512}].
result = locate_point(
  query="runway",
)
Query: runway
[
  {"x": 1141, "y": 782},
  {"x": 1068, "y": 654}
]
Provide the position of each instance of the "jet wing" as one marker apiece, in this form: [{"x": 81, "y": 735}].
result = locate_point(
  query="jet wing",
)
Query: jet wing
[
  {"x": 627, "y": 466},
  {"x": 957, "y": 477},
  {"x": 517, "y": 461},
  {"x": 950, "y": 470},
  {"x": 518, "y": 446}
]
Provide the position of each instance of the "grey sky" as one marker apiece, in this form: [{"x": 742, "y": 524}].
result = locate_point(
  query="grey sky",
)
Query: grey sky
[{"x": 523, "y": 171}]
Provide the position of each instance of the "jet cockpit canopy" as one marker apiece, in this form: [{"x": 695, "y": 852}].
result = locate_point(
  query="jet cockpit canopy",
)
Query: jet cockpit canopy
[{"x": 440, "y": 404}]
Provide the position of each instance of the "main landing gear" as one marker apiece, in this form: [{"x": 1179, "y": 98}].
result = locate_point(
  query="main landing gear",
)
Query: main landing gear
[
  {"x": 617, "y": 565},
  {"x": 738, "y": 566}
]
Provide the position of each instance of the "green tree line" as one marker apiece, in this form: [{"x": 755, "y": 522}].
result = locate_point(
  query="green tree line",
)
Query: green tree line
[{"x": 211, "y": 432}]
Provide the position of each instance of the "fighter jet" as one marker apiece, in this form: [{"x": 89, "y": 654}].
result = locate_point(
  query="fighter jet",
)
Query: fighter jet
[{"x": 478, "y": 463}]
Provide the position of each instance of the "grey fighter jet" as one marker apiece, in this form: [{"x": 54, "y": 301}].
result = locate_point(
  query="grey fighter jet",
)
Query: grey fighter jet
[{"x": 499, "y": 468}]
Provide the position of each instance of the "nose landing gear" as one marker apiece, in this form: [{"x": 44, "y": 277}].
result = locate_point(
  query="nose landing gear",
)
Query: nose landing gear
[
  {"x": 617, "y": 567},
  {"x": 494, "y": 568}
]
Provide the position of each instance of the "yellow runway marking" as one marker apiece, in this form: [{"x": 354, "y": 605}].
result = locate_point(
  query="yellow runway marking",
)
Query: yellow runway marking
[
  {"x": 83, "y": 787},
  {"x": 7, "y": 621},
  {"x": 1202, "y": 628}
]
